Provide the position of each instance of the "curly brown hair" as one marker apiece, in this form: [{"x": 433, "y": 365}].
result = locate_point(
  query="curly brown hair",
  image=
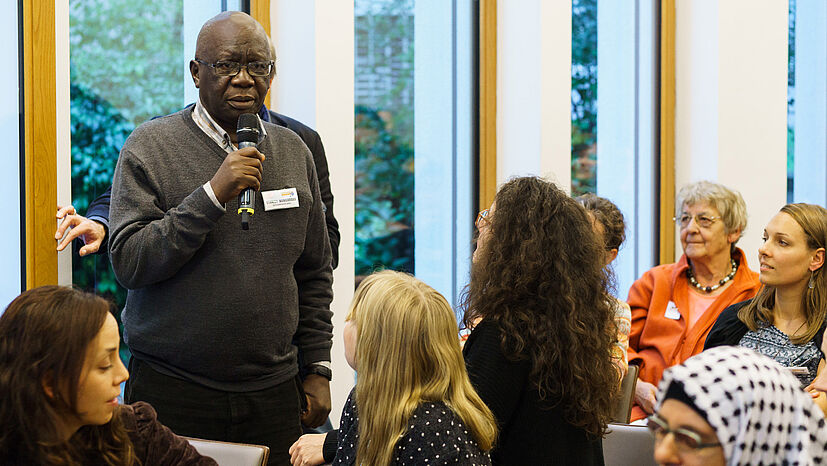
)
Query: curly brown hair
[
  {"x": 540, "y": 276},
  {"x": 44, "y": 335}
]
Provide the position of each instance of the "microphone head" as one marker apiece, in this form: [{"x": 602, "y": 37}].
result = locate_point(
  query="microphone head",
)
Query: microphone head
[{"x": 247, "y": 128}]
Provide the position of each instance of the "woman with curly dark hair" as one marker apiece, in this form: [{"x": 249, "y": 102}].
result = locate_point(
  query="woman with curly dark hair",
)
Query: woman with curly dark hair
[
  {"x": 60, "y": 376},
  {"x": 539, "y": 354}
]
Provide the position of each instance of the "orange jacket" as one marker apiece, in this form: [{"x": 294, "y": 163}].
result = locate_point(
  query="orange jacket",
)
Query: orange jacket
[{"x": 657, "y": 341}]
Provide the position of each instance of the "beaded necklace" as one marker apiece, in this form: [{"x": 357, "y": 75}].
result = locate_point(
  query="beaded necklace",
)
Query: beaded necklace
[{"x": 722, "y": 282}]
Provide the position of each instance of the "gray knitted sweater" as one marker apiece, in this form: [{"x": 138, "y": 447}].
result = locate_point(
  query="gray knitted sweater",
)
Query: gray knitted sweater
[{"x": 207, "y": 301}]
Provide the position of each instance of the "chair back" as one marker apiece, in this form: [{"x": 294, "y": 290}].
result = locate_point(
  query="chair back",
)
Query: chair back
[
  {"x": 626, "y": 445},
  {"x": 622, "y": 411},
  {"x": 231, "y": 454}
]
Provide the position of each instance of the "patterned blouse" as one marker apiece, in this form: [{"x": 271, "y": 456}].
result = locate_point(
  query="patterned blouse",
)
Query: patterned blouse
[
  {"x": 435, "y": 436},
  {"x": 623, "y": 320},
  {"x": 774, "y": 343}
]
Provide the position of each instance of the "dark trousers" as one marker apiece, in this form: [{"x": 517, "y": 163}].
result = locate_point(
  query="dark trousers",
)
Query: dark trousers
[{"x": 265, "y": 417}]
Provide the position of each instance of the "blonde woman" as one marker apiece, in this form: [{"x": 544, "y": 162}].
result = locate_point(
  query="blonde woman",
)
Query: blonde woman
[
  {"x": 413, "y": 403},
  {"x": 785, "y": 321}
]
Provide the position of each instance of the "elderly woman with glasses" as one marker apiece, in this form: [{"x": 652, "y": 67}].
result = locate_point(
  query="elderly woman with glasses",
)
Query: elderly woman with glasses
[
  {"x": 675, "y": 305},
  {"x": 730, "y": 405}
]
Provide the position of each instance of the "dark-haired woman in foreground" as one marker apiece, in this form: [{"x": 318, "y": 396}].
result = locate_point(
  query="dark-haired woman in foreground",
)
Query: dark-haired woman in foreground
[
  {"x": 539, "y": 353},
  {"x": 60, "y": 376}
]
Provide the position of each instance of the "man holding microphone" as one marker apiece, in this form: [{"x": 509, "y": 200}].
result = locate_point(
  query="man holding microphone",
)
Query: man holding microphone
[{"x": 212, "y": 309}]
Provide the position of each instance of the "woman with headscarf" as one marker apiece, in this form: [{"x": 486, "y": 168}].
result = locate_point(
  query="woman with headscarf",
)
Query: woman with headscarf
[
  {"x": 675, "y": 305},
  {"x": 732, "y": 406}
]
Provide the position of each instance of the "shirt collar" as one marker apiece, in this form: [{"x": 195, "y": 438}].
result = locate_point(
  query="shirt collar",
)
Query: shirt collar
[{"x": 203, "y": 120}]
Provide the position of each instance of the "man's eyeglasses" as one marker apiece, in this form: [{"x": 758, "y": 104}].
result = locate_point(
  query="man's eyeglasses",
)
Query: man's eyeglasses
[
  {"x": 232, "y": 68},
  {"x": 482, "y": 218},
  {"x": 685, "y": 439},
  {"x": 703, "y": 221}
]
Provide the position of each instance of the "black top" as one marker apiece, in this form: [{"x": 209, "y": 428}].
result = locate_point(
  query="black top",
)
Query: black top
[
  {"x": 435, "y": 436},
  {"x": 530, "y": 431},
  {"x": 728, "y": 329}
]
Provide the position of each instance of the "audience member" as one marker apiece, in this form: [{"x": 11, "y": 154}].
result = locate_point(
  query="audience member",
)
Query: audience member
[
  {"x": 540, "y": 354},
  {"x": 60, "y": 377},
  {"x": 413, "y": 403},
  {"x": 786, "y": 320},
  {"x": 730, "y": 405},
  {"x": 675, "y": 305},
  {"x": 609, "y": 225},
  {"x": 214, "y": 357}
]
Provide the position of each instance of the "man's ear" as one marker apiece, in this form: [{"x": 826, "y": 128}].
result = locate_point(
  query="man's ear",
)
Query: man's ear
[
  {"x": 818, "y": 260},
  {"x": 194, "y": 72}
]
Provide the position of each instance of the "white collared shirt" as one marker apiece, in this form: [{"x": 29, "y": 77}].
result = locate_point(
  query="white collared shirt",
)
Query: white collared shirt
[{"x": 203, "y": 120}]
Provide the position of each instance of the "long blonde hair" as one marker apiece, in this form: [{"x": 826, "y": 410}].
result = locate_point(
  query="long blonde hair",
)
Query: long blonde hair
[
  {"x": 759, "y": 312},
  {"x": 408, "y": 352}
]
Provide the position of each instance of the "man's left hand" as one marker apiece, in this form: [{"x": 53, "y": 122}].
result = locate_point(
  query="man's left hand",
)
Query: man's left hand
[{"x": 317, "y": 390}]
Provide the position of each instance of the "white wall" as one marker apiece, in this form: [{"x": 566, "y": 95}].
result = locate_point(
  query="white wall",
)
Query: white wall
[
  {"x": 534, "y": 90},
  {"x": 314, "y": 42},
  {"x": 731, "y": 97}
]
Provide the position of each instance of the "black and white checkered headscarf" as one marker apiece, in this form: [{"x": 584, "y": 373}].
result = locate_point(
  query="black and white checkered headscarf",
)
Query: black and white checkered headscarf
[{"x": 757, "y": 407}]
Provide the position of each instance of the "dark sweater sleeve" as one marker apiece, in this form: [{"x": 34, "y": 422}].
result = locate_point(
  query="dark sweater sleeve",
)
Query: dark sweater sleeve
[
  {"x": 728, "y": 329},
  {"x": 498, "y": 380},
  {"x": 98, "y": 211},
  {"x": 155, "y": 443}
]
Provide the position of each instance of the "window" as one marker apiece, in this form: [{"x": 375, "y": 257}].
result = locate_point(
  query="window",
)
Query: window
[
  {"x": 807, "y": 103},
  {"x": 583, "y": 97},
  {"x": 11, "y": 280},
  {"x": 415, "y": 139},
  {"x": 614, "y": 120}
]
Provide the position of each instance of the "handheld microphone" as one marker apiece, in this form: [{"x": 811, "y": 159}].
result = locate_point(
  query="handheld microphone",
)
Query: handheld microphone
[{"x": 247, "y": 134}]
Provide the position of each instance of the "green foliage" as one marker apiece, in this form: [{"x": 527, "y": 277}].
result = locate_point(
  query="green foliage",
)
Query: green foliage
[
  {"x": 98, "y": 133},
  {"x": 584, "y": 97},
  {"x": 384, "y": 158},
  {"x": 130, "y": 54},
  {"x": 384, "y": 196}
]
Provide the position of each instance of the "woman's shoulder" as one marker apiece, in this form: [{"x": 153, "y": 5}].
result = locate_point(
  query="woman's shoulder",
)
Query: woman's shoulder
[
  {"x": 155, "y": 443},
  {"x": 728, "y": 328}
]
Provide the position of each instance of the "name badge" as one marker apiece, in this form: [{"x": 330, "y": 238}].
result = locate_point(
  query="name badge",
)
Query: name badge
[
  {"x": 672, "y": 311},
  {"x": 280, "y": 199}
]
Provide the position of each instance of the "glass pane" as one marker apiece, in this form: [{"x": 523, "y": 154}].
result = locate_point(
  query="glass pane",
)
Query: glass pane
[
  {"x": 807, "y": 103},
  {"x": 10, "y": 88},
  {"x": 791, "y": 104},
  {"x": 384, "y": 154},
  {"x": 415, "y": 95},
  {"x": 583, "y": 97}
]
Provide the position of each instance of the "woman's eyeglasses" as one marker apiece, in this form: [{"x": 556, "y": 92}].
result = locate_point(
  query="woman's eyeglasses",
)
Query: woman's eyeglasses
[
  {"x": 482, "y": 219},
  {"x": 685, "y": 439},
  {"x": 703, "y": 221}
]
